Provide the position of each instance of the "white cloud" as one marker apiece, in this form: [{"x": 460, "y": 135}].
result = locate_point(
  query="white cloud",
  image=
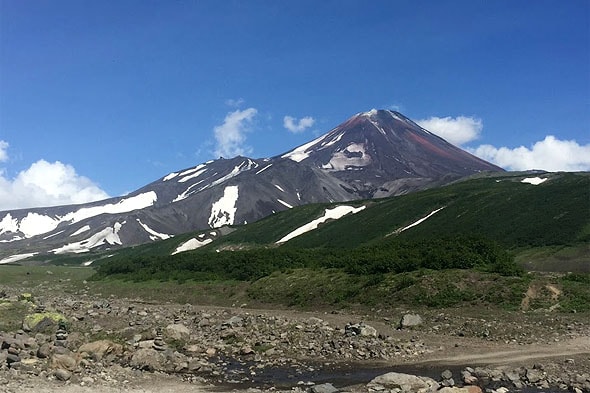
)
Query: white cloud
[
  {"x": 294, "y": 125},
  {"x": 3, "y": 151},
  {"x": 47, "y": 184},
  {"x": 234, "y": 103},
  {"x": 458, "y": 130},
  {"x": 230, "y": 135},
  {"x": 550, "y": 154}
]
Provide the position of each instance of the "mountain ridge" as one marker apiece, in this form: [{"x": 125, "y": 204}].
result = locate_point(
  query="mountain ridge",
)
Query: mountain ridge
[{"x": 372, "y": 154}]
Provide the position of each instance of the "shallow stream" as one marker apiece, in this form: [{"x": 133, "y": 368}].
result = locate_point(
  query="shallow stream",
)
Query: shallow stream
[{"x": 285, "y": 377}]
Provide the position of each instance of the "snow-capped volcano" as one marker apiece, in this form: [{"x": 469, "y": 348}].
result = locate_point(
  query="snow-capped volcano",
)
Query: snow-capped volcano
[
  {"x": 373, "y": 154},
  {"x": 372, "y": 149}
]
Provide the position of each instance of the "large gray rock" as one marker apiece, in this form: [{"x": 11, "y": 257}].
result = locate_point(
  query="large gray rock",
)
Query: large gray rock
[
  {"x": 44, "y": 351},
  {"x": 405, "y": 382},
  {"x": 98, "y": 349},
  {"x": 148, "y": 359},
  {"x": 360, "y": 329},
  {"x": 409, "y": 320},
  {"x": 534, "y": 375},
  {"x": 64, "y": 361},
  {"x": 178, "y": 332},
  {"x": 323, "y": 388}
]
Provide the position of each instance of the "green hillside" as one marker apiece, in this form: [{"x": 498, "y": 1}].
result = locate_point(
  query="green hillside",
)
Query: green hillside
[
  {"x": 513, "y": 214},
  {"x": 414, "y": 244},
  {"x": 502, "y": 210}
]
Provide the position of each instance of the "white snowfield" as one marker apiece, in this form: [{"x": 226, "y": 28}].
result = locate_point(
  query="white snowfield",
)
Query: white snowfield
[
  {"x": 17, "y": 257},
  {"x": 341, "y": 160},
  {"x": 153, "y": 234},
  {"x": 192, "y": 189},
  {"x": 191, "y": 244},
  {"x": 223, "y": 211},
  {"x": 36, "y": 224},
  {"x": 420, "y": 220},
  {"x": 284, "y": 203},
  {"x": 300, "y": 153},
  {"x": 106, "y": 236},
  {"x": 329, "y": 214},
  {"x": 85, "y": 228},
  {"x": 535, "y": 181}
]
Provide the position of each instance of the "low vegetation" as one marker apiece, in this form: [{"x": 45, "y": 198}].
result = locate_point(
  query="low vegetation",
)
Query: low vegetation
[{"x": 473, "y": 250}]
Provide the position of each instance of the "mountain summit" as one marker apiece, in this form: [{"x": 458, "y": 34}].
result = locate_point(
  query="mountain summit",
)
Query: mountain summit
[
  {"x": 373, "y": 154},
  {"x": 386, "y": 146}
]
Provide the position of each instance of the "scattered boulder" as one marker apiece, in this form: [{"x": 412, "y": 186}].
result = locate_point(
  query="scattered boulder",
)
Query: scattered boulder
[
  {"x": 63, "y": 361},
  {"x": 178, "y": 332},
  {"x": 406, "y": 383},
  {"x": 410, "y": 320},
  {"x": 148, "y": 359},
  {"x": 98, "y": 349},
  {"x": 62, "y": 375},
  {"x": 44, "y": 351},
  {"x": 234, "y": 322},
  {"x": 323, "y": 388},
  {"x": 38, "y": 322},
  {"x": 465, "y": 389},
  {"x": 360, "y": 329}
]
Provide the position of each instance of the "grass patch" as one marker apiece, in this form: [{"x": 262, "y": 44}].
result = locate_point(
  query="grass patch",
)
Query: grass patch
[{"x": 12, "y": 315}]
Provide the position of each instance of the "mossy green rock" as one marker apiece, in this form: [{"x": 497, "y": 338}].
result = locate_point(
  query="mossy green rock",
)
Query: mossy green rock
[
  {"x": 26, "y": 297},
  {"x": 38, "y": 321}
]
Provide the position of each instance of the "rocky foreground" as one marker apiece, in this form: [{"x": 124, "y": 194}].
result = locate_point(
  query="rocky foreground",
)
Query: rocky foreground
[{"x": 79, "y": 342}]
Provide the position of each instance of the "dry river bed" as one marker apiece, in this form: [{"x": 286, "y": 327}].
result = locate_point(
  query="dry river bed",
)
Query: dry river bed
[{"x": 108, "y": 344}]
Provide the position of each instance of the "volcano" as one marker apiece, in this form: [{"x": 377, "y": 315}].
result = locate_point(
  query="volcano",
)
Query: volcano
[{"x": 373, "y": 154}]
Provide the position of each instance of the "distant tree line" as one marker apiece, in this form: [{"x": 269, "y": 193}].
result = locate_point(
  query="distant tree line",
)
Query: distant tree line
[{"x": 395, "y": 256}]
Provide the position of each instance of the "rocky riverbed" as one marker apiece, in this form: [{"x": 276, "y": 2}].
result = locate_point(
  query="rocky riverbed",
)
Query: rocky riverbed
[{"x": 82, "y": 342}]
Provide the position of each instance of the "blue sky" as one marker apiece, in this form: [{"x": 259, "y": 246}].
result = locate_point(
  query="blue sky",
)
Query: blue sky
[{"x": 98, "y": 98}]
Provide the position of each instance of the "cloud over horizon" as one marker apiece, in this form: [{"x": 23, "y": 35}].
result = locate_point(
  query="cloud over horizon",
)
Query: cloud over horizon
[
  {"x": 46, "y": 184},
  {"x": 297, "y": 126},
  {"x": 550, "y": 154},
  {"x": 458, "y": 130},
  {"x": 230, "y": 135}
]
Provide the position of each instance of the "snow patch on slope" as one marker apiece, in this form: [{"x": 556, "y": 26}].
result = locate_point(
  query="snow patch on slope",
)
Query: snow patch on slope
[
  {"x": 535, "y": 181},
  {"x": 85, "y": 228},
  {"x": 125, "y": 205},
  {"x": 263, "y": 169},
  {"x": 8, "y": 224},
  {"x": 170, "y": 176},
  {"x": 34, "y": 224},
  {"x": 329, "y": 214},
  {"x": 284, "y": 204},
  {"x": 106, "y": 236},
  {"x": 224, "y": 210},
  {"x": 300, "y": 153},
  {"x": 154, "y": 235},
  {"x": 354, "y": 155},
  {"x": 191, "y": 244},
  {"x": 52, "y": 235},
  {"x": 420, "y": 220},
  {"x": 192, "y": 176},
  {"x": 17, "y": 257}
]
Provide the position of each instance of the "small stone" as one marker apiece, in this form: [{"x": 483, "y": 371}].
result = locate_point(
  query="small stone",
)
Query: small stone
[
  {"x": 62, "y": 375},
  {"x": 323, "y": 388},
  {"x": 44, "y": 351},
  {"x": 447, "y": 374}
]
